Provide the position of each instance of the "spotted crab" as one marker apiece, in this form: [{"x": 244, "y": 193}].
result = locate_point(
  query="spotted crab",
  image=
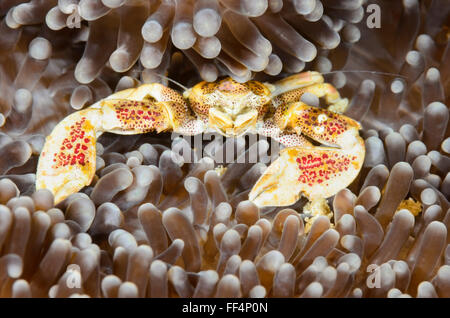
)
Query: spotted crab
[{"x": 67, "y": 161}]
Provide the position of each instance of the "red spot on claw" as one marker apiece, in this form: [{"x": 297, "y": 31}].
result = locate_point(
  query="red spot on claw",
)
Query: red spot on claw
[
  {"x": 318, "y": 168},
  {"x": 71, "y": 151}
]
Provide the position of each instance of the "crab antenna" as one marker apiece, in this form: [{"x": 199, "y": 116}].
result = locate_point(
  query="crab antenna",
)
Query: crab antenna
[
  {"x": 172, "y": 80},
  {"x": 363, "y": 71}
]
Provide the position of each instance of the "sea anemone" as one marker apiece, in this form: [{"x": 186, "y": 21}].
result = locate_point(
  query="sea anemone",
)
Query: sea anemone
[
  {"x": 154, "y": 224},
  {"x": 234, "y": 37}
]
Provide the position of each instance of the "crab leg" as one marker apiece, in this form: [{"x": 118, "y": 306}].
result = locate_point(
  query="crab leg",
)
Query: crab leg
[
  {"x": 294, "y": 82},
  {"x": 67, "y": 161},
  {"x": 313, "y": 171},
  {"x": 292, "y": 88}
]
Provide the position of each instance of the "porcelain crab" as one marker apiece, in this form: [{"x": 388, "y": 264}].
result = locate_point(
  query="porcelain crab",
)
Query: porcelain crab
[{"x": 67, "y": 161}]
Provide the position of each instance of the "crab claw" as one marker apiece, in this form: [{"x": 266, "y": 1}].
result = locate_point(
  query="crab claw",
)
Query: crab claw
[
  {"x": 314, "y": 172},
  {"x": 67, "y": 161}
]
